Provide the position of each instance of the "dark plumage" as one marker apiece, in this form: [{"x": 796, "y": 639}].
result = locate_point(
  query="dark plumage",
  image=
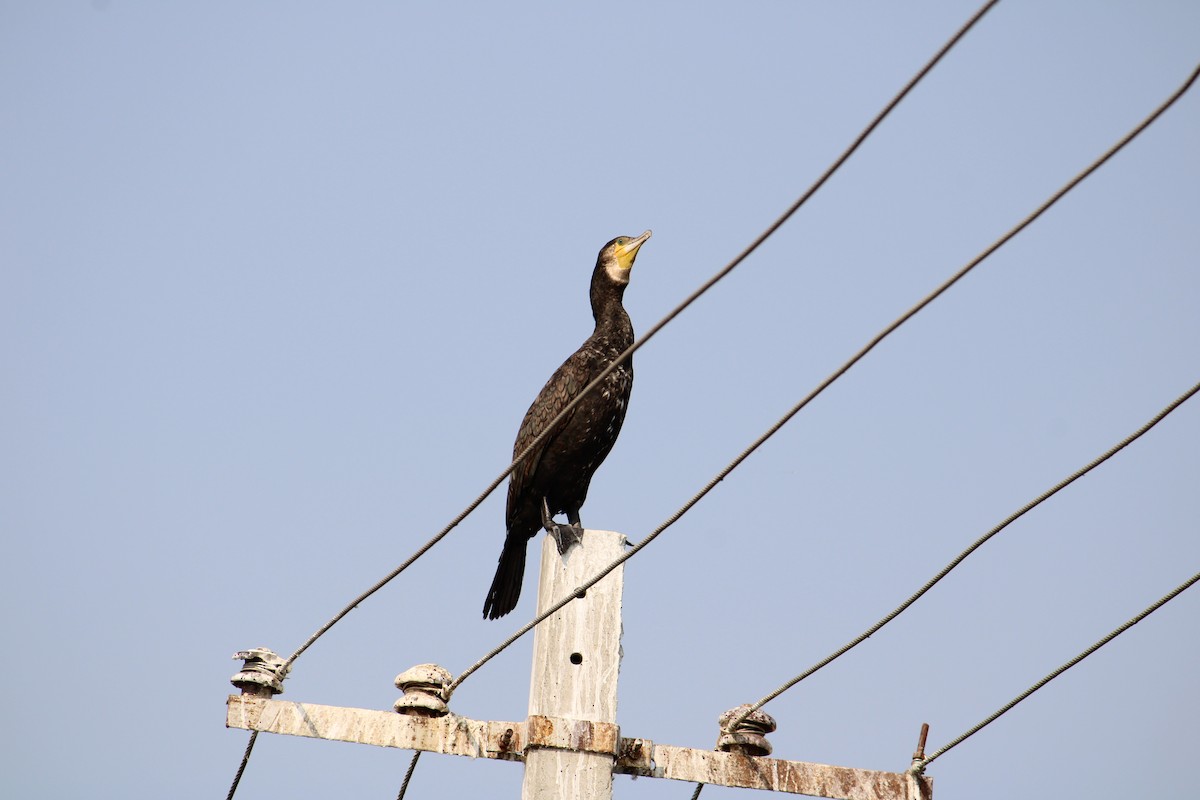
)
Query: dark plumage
[{"x": 554, "y": 477}]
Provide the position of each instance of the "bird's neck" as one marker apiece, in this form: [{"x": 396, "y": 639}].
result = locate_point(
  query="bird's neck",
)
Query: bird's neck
[
  {"x": 606, "y": 307},
  {"x": 612, "y": 324}
]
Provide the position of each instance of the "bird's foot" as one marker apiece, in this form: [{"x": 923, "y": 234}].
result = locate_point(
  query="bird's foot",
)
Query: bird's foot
[{"x": 564, "y": 535}]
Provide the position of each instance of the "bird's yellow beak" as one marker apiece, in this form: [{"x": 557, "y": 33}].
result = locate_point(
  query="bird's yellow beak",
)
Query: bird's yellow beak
[{"x": 627, "y": 252}]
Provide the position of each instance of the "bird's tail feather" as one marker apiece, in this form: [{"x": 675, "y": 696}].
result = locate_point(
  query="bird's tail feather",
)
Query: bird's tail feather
[{"x": 506, "y": 586}]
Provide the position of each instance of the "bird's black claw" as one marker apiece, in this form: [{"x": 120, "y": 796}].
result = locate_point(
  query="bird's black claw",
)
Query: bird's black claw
[{"x": 565, "y": 536}]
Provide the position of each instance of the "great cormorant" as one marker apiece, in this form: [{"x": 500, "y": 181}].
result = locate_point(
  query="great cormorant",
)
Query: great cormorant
[{"x": 554, "y": 478}]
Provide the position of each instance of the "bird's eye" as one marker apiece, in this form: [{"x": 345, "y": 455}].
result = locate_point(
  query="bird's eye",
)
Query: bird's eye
[{"x": 622, "y": 240}]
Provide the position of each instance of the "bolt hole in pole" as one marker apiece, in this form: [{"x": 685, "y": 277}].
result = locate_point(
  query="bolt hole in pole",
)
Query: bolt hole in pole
[{"x": 577, "y": 658}]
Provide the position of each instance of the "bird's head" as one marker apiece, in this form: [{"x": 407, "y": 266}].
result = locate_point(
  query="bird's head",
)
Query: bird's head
[{"x": 616, "y": 257}]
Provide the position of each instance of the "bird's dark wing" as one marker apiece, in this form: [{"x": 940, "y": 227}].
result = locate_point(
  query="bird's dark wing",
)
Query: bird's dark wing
[{"x": 566, "y": 382}]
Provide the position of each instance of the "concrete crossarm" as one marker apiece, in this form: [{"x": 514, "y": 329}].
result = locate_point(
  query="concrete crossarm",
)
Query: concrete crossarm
[{"x": 455, "y": 735}]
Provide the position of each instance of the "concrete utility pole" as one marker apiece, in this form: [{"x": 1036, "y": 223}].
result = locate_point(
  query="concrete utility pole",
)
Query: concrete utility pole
[
  {"x": 570, "y": 743},
  {"x": 576, "y": 657}
]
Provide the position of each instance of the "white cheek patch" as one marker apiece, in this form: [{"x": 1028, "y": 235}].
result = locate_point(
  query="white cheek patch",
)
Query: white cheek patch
[{"x": 616, "y": 273}]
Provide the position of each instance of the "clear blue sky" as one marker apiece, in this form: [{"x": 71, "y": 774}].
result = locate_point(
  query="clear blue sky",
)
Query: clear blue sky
[{"x": 280, "y": 279}]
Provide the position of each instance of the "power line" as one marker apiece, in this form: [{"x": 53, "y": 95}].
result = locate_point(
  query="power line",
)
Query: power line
[
  {"x": 720, "y": 476},
  {"x": 871, "y": 631},
  {"x": 412, "y": 766},
  {"x": 920, "y": 765},
  {"x": 237, "y": 778}
]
